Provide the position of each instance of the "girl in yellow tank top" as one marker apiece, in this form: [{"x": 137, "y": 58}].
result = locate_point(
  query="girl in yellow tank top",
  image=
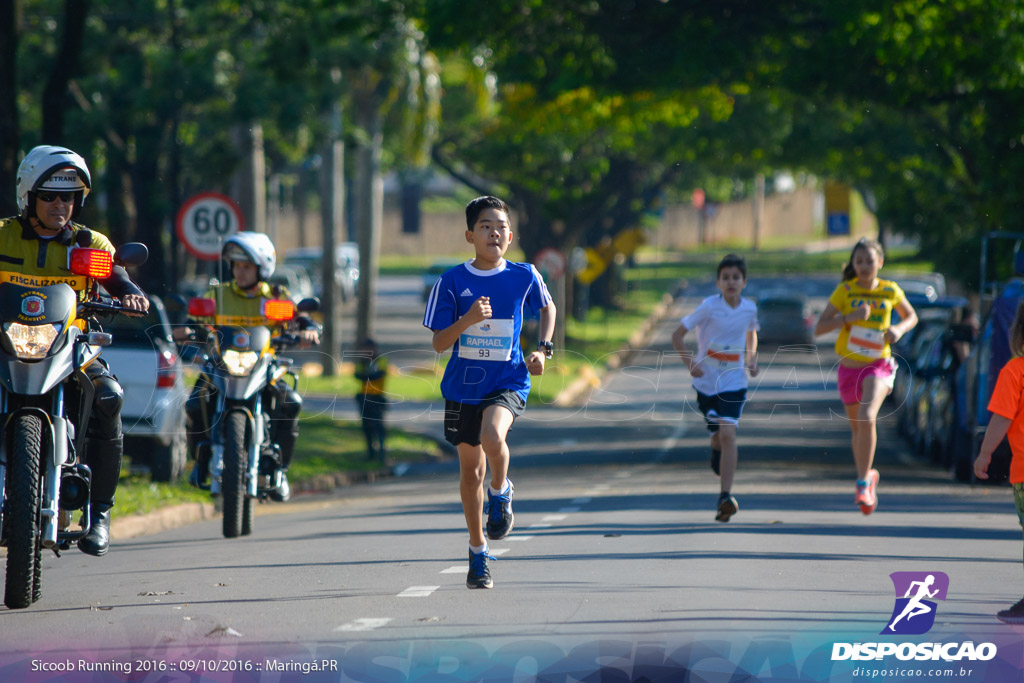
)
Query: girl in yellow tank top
[{"x": 861, "y": 309}]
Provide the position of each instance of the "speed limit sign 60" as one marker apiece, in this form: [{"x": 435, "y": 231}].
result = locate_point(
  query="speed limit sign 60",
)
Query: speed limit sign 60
[{"x": 205, "y": 221}]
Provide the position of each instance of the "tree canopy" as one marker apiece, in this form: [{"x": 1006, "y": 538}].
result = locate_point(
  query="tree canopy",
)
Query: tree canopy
[{"x": 582, "y": 113}]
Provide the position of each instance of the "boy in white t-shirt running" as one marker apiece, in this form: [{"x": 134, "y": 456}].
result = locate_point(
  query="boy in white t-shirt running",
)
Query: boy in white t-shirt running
[{"x": 727, "y": 326}]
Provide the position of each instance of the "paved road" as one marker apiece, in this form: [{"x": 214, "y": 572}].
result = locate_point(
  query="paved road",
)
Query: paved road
[{"x": 616, "y": 563}]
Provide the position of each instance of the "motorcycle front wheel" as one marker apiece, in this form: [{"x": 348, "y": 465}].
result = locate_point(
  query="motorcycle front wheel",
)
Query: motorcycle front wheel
[
  {"x": 233, "y": 478},
  {"x": 24, "y": 554}
]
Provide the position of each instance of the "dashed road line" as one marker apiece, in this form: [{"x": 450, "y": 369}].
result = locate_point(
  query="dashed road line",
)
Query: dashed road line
[
  {"x": 553, "y": 518},
  {"x": 418, "y": 591},
  {"x": 569, "y": 509},
  {"x": 364, "y": 624}
]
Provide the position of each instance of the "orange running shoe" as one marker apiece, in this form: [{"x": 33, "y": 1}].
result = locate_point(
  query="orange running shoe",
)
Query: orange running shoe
[{"x": 867, "y": 497}]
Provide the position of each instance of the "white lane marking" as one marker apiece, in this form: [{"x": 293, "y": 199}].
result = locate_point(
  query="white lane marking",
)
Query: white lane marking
[
  {"x": 569, "y": 509},
  {"x": 498, "y": 551},
  {"x": 365, "y": 624},
  {"x": 417, "y": 591},
  {"x": 582, "y": 500},
  {"x": 540, "y": 526},
  {"x": 454, "y": 570},
  {"x": 553, "y": 518},
  {"x": 517, "y": 538}
]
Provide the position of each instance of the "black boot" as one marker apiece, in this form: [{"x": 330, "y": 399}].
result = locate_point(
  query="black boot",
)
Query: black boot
[{"x": 97, "y": 541}]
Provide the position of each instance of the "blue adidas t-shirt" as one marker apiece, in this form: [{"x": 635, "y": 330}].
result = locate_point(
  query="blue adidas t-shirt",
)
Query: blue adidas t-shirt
[{"x": 487, "y": 357}]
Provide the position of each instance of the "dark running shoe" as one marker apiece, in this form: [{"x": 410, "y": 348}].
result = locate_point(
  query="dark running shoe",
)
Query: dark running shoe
[
  {"x": 716, "y": 461},
  {"x": 498, "y": 509},
  {"x": 727, "y": 507},
  {"x": 1014, "y": 615},
  {"x": 479, "y": 575}
]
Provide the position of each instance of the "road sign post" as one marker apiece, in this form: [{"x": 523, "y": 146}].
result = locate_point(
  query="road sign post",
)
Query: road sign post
[{"x": 205, "y": 221}]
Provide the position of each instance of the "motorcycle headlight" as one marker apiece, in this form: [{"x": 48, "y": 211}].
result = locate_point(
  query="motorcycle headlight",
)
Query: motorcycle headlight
[
  {"x": 31, "y": 342},
  {"x": 239, "y": 362}
]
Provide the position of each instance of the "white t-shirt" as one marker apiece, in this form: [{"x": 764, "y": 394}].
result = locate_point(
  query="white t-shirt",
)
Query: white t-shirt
[{"x": 721, "y": 343}]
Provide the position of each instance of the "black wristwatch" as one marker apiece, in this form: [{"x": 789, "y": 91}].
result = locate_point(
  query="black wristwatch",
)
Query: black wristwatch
[{"x": 548, "y": 347}]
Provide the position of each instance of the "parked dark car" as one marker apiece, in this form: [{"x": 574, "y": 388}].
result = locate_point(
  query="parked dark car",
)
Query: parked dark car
[{"x": 785, "y": 318}]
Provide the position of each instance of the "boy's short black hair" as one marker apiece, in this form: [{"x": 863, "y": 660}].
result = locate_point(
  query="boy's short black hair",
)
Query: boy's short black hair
[
  {"x": 476, "y": 207},
  {"x": 733, "y": 261}
]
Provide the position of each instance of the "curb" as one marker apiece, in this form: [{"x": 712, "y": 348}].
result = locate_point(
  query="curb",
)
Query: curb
[{"x": 160, "y": 520}]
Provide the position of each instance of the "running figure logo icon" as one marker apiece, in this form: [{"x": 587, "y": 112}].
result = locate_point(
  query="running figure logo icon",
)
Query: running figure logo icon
[{"x": 914, "y": 612}]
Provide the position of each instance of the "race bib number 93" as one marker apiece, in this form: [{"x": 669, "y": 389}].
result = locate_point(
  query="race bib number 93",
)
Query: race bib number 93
[{"x": 487, "y": 340}]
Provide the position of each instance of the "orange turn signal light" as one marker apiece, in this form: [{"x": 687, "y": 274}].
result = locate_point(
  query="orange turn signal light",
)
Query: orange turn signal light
[{"x": 279, "y": 310}]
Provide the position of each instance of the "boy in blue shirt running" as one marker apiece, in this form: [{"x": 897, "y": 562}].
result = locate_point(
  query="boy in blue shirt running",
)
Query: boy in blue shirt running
[{"x": 476, "y": 309}]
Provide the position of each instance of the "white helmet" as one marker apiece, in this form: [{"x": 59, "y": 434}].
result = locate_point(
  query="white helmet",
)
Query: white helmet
[
  {"x": 52, "y": 168},
  {"x": 254, "y": 247}
]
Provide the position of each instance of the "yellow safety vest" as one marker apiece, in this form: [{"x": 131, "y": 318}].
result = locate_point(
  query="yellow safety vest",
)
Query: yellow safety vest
[
  {"x": 235, "y": 306},
  {"x": 27, "y": 260}
]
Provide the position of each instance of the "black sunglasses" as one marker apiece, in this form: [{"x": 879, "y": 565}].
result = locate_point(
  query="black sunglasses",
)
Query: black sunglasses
[{"x": 66, "y": 197}]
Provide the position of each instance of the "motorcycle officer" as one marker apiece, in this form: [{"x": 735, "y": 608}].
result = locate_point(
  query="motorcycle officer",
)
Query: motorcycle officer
[
  {"x": 252, "y": 259},
  {"x": 52, "y": 184}
]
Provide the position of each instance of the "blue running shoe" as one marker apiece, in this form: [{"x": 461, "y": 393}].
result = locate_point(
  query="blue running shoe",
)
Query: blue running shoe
[
  {"x": 479, "y": 575},
  {"x": 498, "y": 510}
]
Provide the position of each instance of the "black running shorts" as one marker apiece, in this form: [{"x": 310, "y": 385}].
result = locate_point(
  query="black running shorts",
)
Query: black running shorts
[
  {"x": 724, "y": 407},
  {"x": 462, "y": 421}
]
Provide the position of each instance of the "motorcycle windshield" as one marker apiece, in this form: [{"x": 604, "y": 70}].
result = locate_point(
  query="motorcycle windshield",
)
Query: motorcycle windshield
[
  {"x": 244, "y": 354},
  {"x": 37, "y": 305},
  {"x": 231, "y": 338}
]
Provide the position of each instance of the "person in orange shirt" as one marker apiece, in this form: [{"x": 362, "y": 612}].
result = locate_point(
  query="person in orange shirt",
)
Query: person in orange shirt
[
  {"x": 861, "y": 309},
  {"x": 1007, "y": 408}
]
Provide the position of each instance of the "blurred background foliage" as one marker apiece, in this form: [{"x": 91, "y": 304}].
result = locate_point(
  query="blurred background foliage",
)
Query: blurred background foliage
[{"x": 583, "y": 114}]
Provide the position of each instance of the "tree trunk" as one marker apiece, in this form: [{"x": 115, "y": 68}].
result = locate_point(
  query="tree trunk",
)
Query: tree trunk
[
  {"x": 55, "y": 95},
  {"x": 332, "y": 206},
  {"x": 369, "y": 210},
  {"x": 10, "y": 19}
]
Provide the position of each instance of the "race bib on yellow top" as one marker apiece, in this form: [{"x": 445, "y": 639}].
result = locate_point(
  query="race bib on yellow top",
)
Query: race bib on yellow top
[
  {"x": 487, "y": 340},
  {"x": 866, "y": 342},
  {"x": 726, "y": 356}
]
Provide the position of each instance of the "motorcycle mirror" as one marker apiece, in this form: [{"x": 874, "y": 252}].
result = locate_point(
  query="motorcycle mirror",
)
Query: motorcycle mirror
[
  {"x": 308, "y": 305},
  {"x": 175, "y": 303},
  {"x": 131, "y": 254}
]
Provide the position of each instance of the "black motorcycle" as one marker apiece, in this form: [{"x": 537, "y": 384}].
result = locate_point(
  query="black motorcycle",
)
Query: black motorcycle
[
  {"x": 240, "y": 363},
  {"x": 45, "y": 345}
]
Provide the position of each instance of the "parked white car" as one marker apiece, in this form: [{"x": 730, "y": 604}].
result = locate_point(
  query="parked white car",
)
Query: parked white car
[
  {"x": 347, "y": 258},
  {"x": 145, "y": 361}
]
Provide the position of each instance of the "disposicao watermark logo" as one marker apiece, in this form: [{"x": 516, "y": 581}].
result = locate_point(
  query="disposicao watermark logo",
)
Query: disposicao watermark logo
[
  {"x": 914, "y": 611},
  {"x": 913, "y": 614}
]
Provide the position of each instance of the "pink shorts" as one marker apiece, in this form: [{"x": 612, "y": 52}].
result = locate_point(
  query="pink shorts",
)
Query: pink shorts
[{"x": 851, "y": 379}]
